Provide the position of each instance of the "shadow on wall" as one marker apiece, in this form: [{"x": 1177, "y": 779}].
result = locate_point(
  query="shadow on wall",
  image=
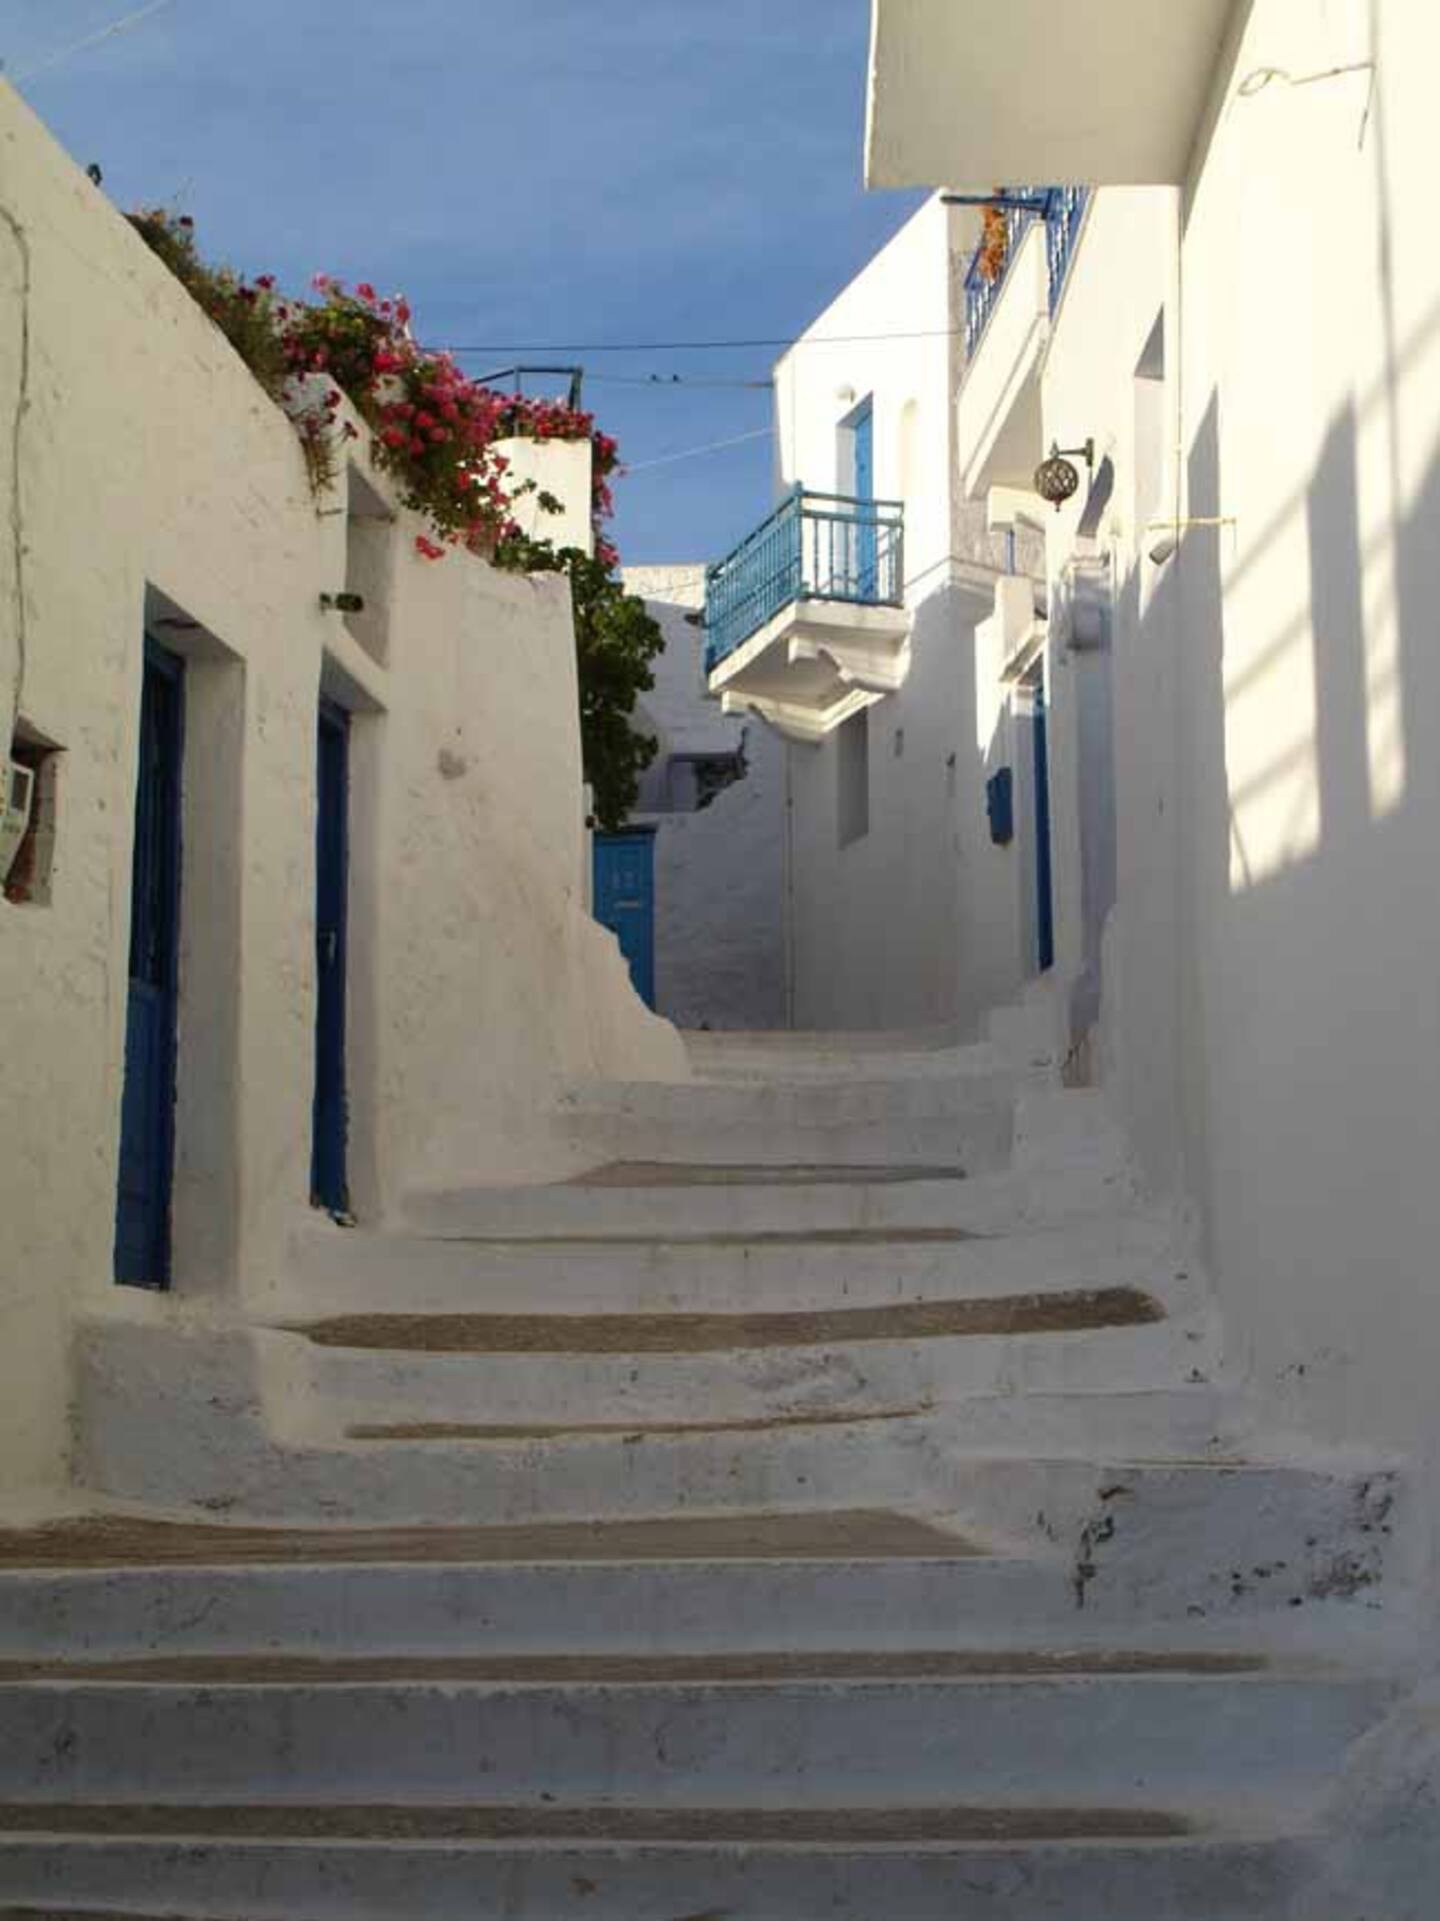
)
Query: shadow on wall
[
  {"x": 911, "y": 923},
  {"x": 1309, "y": 1014}
]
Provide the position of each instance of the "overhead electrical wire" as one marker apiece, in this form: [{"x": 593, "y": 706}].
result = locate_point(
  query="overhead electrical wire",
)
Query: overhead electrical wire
[
  {"x": 123, "y": 25},
  {"x": 704, "y": 346},
  {"x": 668, "y": 381},
  {"x": 692, "y": 453}
]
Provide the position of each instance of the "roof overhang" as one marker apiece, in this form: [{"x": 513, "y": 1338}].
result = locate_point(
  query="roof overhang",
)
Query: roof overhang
[{"x": 1105, "y": 92}]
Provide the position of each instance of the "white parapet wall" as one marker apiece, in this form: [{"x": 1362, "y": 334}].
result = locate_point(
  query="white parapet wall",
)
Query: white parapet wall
[
  {"x": 547, "y": 471},
  {"x": 159, "y": 488}
]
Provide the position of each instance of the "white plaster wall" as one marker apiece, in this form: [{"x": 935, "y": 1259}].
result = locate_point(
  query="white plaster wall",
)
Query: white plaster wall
[
  {"x": 1277, "y": 705},
  {"x": 919, "y": 922},
  {"x": 562, "y": 469},
  {"x": 889, "y": 333},
  {"x": 151, "y": 461},
  {"x": 720, "y": 872},
  {"x": 916, "y": 923}
]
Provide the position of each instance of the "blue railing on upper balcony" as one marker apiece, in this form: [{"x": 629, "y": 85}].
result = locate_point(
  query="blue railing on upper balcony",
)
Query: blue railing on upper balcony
[
  {"x": 813, "y": 547},
  {"x": 1062, "y": 209}
]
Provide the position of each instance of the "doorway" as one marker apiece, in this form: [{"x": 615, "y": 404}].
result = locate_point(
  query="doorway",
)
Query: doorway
[
  {"x": 1044, "y": 887},
  {"x": 329, "y": 1183},
  {"x": 147, "y": 1105},
  {"x": 625, "y": 901},
  {"x": 858, "y": 465}
]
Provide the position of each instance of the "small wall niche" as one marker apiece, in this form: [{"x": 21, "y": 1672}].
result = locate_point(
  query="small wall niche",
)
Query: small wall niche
[
  {"x": 369, "y": 564},
  {"x": 1149, "y": 431},
  {"x": 852, "y": 770},
  {"x": 28, "y": 883}
]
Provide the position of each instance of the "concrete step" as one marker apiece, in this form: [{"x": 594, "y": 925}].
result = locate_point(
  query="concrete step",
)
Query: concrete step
[
  {"x": 889, "y": 1731},
  {"x": 867, "y": 1100},
  {"x": 811, "y": 1268},
  {"x": 992, "y": 1384},
  {"x": 621, "y": 1342},
  {"x": 388, "y": 1864},
  {"x": 234, "y": 1421},
  {"x": 1207, "y": 1532},
  {"x": 725, "y": 1062},
  {"x": 964, "y": 1121},
  {"x": 116, "y": 1586},
  {"x": 119, "y": 1587},
  {"x": 662, "y": 1199}
]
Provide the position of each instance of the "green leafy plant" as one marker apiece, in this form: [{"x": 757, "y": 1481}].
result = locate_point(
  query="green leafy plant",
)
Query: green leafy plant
[{"x": 615, "y": 641}]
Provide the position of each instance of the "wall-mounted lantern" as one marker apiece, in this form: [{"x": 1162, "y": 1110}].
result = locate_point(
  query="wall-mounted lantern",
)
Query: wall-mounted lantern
[{"x": 1057, "y": 478}]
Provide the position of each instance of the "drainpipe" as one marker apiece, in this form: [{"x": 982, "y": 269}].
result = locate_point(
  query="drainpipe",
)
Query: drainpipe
[{"x": 789, "y": 882}]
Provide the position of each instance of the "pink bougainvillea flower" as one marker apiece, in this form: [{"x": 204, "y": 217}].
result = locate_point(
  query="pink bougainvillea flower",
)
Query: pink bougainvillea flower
[
  {"x": 427, "y": 549},
  {"x": 365, "y": 290}
]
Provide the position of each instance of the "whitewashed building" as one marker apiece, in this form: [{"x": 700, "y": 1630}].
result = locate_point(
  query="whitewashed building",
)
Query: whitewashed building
[
  {"x": 866, "y": 620},
  {"x": 1246, "y": 575},
  {"x": 164, "y": 589},
  {"x": 1222, "y": 317}
]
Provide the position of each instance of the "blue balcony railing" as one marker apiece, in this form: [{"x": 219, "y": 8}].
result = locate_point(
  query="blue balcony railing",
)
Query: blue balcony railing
[
  {"x": 1062, "y": 209},
  {"x": 813, "y": 547}
]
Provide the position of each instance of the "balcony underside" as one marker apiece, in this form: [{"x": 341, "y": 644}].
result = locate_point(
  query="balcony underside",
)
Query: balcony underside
[
  {"x": 999, "y": 413},
  {"x": 1112, "y": 92},
  {"x": 814, "y": 664}
]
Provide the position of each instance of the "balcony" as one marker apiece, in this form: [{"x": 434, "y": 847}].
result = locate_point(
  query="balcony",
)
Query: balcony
[
  {"x": 805, "y": 621},
  {"x": 1110, "y": 91},
  {"x": 1062, "y": 209},
  {"x": 1007, "y": 323}
]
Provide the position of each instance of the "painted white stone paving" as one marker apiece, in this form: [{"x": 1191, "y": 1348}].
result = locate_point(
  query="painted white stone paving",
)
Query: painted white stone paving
[{"x": 832, "y": 1505}]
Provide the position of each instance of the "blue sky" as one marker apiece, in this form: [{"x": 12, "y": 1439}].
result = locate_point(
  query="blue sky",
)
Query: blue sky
[{"x": 587, "y": 171}]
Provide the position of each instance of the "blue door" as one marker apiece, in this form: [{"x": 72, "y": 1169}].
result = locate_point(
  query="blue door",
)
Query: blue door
[
  {"x": 625, "y": 901},
  {"x": 147, "y": 1106},
  {"x": 862, "y": 427},
  {"x": 1044, "y": 902},
  {"x": 329, "y": 1187}
]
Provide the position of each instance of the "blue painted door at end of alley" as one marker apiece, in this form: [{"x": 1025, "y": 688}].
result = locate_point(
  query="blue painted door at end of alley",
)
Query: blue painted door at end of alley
[
  {"x": 147, "y": 1105},
  {"x": 625, "y": 901},
  {"x": 329, "y": 1183}
]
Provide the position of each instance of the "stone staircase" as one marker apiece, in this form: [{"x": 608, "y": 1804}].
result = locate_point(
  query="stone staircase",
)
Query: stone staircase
[{"x": 828, "y": 1505}]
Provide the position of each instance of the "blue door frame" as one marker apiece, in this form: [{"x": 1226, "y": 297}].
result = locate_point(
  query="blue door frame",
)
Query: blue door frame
[
  {"x": 861, "y": 424},
  {"x": 1044, "y": 901},
  {"x": 625, "y": 900},
  {"x": 147, "y": 1106},
  {"x": 329, "y": 1184}
]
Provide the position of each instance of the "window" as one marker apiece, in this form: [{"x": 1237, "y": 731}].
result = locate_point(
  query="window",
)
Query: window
[
  {"x": 852, "y": 764},
  {"x": 687, "y": 783}
]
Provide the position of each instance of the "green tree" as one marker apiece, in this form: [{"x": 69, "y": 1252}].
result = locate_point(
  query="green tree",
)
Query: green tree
[{"x": 615, "y": 641}]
